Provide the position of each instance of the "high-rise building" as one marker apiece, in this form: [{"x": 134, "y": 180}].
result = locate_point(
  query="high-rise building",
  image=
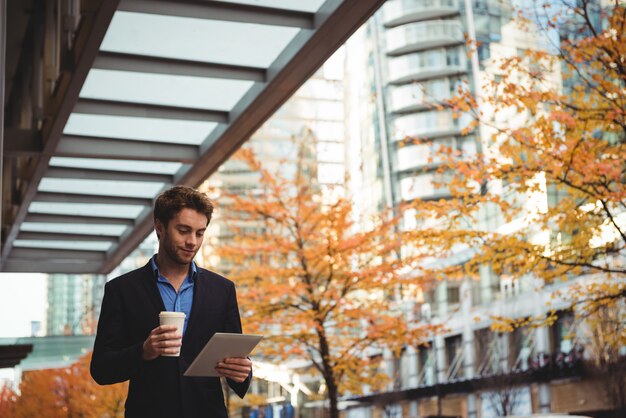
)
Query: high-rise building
[
  {"x": 73, "y": 303},
  {"x": 306, "y": 133},
  {"x": 416, "y": 57}
]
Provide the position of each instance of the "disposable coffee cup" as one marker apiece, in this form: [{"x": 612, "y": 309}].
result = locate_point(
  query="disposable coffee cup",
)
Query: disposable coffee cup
[{"x": 173, "y": 318}]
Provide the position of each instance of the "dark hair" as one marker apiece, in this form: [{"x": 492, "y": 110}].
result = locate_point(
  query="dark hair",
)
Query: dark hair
[{"x": 173, "y": 200}]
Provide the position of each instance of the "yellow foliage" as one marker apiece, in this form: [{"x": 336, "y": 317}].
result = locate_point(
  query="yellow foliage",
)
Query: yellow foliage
[
  {"x": 313, "y": 283},
  {"x": 558, "y": 176}
]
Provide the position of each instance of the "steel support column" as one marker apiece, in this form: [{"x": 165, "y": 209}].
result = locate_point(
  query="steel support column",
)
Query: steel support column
[{"x": 3, "y": 35}]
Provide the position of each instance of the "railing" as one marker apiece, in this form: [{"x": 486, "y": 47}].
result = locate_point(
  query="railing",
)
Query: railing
[
  {"x": 402, "y": 11},
  {"x": 492, "y": 362},
  {"x": 522, "y": 362},
  {"x": 426, "y": 376},
  {"x": 420, "y": 66},
  {"x": 426, "y": 124},
  {"x": 417, "y": 96},
  {"x": 410, "y": 37},
  {"x": 454, "y": 370}
]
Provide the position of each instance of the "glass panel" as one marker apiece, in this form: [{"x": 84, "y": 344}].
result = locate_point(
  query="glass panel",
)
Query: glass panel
[
  {"x": 117, "y": 165},
  {"x": 197, "y": 39},
  {"x": 100, "y": 187},
  {"x": 417, "y": 187},
  {"x": 164, "y": 89},
  {"x": 415, "y": 156},
  {"x": 87, "y": 209},
  {"x": 301, "y": 5},
  {"x": 424, "y": 124},
  {"x": 421, "y": 186},
  {"x": 146, "y": 129},
  {"x": 108, "y": 230},
  {"x": 64, "y": 245}
]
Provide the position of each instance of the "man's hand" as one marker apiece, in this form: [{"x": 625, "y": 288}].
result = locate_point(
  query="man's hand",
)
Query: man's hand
[
  {"x": 162, "y": 340},
  {"x": 234, "y": 368}
]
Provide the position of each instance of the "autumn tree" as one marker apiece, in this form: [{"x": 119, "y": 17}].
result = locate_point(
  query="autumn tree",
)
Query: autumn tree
[
  {"x": 8, "y": 398},
  {"x": 312, "y": 282},
  {"x": 550, "y": 162},
  {"x": 64, "y": 393}
]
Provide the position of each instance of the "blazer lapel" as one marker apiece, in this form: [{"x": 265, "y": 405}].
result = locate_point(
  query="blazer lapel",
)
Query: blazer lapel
[{"x": 151, "y": 288}]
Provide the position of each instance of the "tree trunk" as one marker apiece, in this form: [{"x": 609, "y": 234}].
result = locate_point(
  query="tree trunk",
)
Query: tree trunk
[
  {"x": 328, "y": 373},
  {"x": 333, "y": 394}
]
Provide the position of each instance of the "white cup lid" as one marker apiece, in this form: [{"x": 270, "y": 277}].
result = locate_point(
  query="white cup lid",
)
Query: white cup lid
[{"x": 172, "y": 314}]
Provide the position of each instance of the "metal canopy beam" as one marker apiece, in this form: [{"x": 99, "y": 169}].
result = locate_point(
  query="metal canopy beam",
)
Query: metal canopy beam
[
  {"x": 57, "y": 236},
  {"x": 91, "y": 198},
  {"x": 75, "y": 219},
  {"x": 87, "y": 174},
  {"x": 12, "y": 355},
  {"x": 87, "y": 42},
  {"x": 45, "y": 265},
  {"x": 334, "y": 23},
  {"x": 141, "y": 110},
  {"x": 157, "y": 65},
  {"x": 26, "y": 253},
  {"x": 92, "y": 147},
  {"x": 19, "y": 142},
  {"x": 221, "y": 11}
]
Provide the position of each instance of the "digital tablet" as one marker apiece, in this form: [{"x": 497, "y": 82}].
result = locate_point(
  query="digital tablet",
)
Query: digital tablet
[{"x": 220, "y": 346}]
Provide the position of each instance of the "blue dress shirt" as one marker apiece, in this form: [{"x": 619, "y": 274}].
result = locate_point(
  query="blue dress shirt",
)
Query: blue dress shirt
[{"x": 173, "y": 301}]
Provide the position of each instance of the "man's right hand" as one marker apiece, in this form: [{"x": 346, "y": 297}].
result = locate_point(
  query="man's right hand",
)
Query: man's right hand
[{"x": 162, "y": 340}]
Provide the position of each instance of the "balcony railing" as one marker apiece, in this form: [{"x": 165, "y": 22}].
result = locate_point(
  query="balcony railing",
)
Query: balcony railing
[
  {"x": 417, "y": 97},
  {"x": 426, "y": 376},
  {"x": 398, "y": 12},
  {"x": 423, "y": 35},
  {"x": 455, "y": 369},
  {"x": 417, "y": 67},
  {"x": 432, "y": 124}
]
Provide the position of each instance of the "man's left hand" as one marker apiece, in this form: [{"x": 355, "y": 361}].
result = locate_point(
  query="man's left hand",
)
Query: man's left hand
[{"x": 234, "y": 368}]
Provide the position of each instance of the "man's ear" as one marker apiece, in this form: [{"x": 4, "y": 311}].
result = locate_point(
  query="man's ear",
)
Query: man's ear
[{"x": 158, "y": 227}]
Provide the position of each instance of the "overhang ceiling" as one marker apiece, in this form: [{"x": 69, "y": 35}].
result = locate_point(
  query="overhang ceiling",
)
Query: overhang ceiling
[{"x": 136, "y": 96}]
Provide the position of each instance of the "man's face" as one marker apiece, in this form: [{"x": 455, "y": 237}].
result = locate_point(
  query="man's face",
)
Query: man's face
[{"x": 181, "y": 239}]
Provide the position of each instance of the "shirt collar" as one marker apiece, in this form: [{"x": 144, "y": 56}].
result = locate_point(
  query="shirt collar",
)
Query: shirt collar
[{"x": 191, "y": 275}]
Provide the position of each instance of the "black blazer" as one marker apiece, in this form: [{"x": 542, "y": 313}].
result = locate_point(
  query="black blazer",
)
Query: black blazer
[{"x": 130, "y": 310}]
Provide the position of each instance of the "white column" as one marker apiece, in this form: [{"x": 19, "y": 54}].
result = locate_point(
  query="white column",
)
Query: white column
[
  {"x": 389, "y": 367},
  {"x": 543, "y": 347},
  {"x": 469, "y": 357},
  {"x": 414, "y": 410},
  {"x": 440, "y": 358},
  {"x": 485, "y": 284},
  {"x": 441, "y": 298},
  {"x": 411, "y": 356},
  {"x": 504, "y": 353},
  {"x": 468, "y": 332},
  {"x": 472, "y": 412}
]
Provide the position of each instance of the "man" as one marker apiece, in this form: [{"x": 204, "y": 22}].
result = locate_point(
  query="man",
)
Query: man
[{"x": 130, "y": 343}]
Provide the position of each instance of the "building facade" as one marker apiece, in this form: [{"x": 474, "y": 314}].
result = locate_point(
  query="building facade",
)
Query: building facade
[
  {"x": 73, "y": 303},
  {"x": 416, "y": 57}
]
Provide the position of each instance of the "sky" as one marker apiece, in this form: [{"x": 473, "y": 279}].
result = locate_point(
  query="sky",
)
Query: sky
[{"x": 22, "y": 300}]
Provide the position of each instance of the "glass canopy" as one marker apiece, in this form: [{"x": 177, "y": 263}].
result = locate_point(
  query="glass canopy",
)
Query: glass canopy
[{"x": 161, "y": 94}]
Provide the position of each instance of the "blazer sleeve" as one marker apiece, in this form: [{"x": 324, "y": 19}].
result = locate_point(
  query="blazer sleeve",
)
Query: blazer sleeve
[
  {"x": 233, "y": 324},
  {"x": 113, "y": 361}
]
